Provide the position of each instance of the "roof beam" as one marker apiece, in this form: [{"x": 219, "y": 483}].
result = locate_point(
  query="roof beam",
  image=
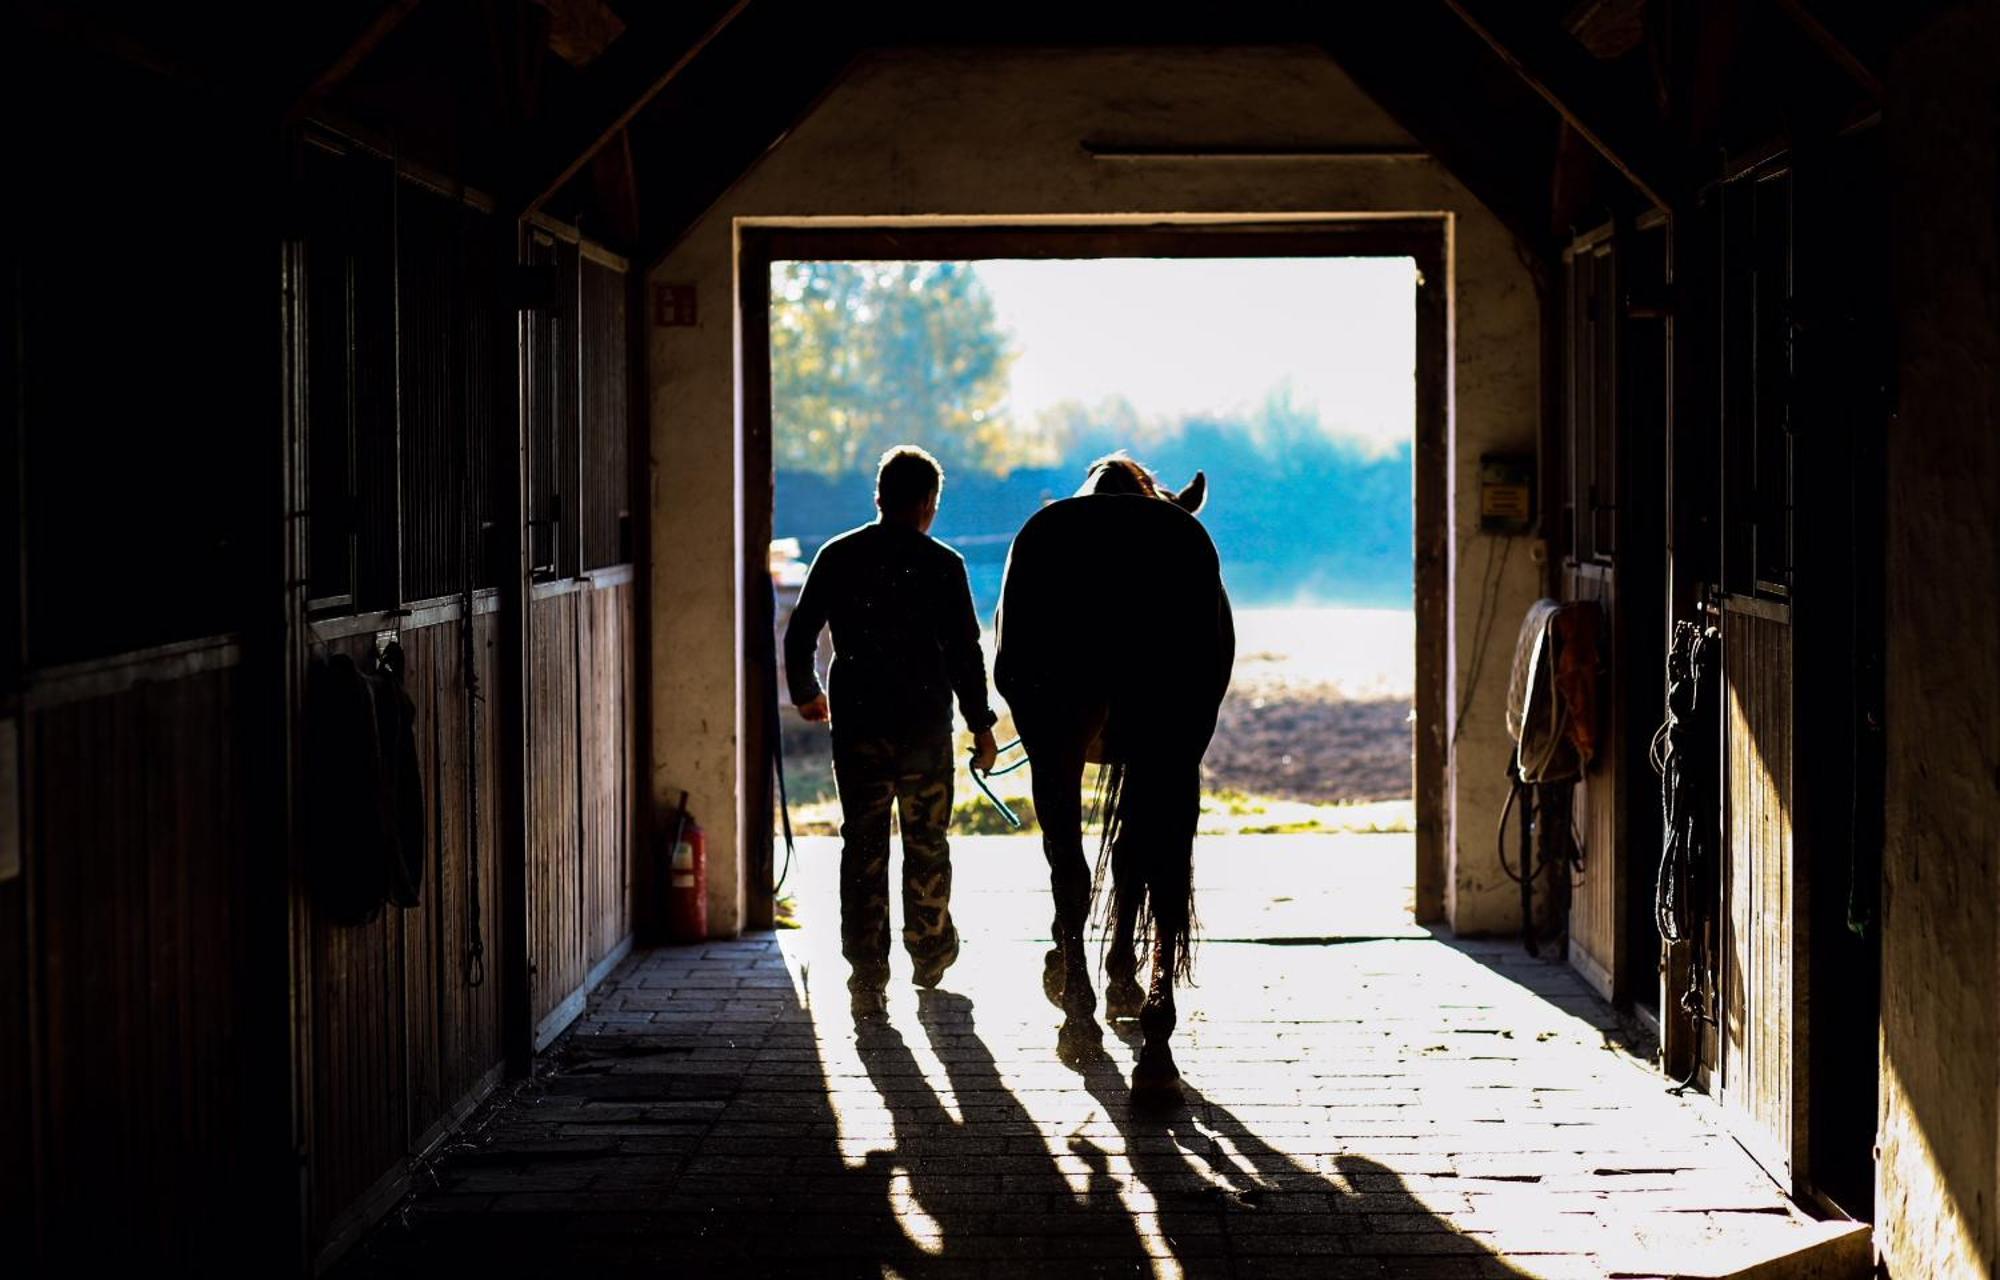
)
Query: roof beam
[
  {"x": 621, "y": 84},
  {"x": 1837, "y": 50},
  {"x": 1583, "y": 91},
  {"x": 1420, "y": 66},
  {"x": 384, "y": 24}
]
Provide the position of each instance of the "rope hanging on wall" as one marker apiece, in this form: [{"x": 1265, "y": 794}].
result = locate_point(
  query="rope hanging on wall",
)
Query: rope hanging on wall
[{"x": 1687, "y": 873}]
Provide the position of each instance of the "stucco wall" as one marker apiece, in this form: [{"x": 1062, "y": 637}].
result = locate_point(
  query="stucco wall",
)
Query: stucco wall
[
  {"x": 938, "y": 133},
  {"x": 1941, "y": 885}
]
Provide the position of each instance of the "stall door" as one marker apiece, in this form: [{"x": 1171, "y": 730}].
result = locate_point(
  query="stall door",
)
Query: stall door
[{"x": 1764, "y": 952}]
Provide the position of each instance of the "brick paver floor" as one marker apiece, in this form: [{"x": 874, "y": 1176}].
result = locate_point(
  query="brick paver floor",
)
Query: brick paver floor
[{"x": 1364, "y": 1098}]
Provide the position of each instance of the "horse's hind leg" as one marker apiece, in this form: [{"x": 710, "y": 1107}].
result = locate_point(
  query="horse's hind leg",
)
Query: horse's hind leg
[
  {"x": 1122, "y": 993},
  {"x": 1169, "y": 866},
  {"x": 1066, "y": 975},
  {"x": 1156, "y": 1079}
]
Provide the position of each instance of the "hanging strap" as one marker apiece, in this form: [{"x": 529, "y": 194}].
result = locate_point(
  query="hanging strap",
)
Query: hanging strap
[{"x": 775, "y": 731}]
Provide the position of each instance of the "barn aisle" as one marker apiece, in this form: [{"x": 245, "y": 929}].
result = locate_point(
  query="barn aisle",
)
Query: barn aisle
[{"x": 1364, "y": 1099}]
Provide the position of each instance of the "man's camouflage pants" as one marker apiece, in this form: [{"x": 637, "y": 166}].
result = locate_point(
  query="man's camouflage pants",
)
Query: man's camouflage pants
[{"x": 875, "y": 776}]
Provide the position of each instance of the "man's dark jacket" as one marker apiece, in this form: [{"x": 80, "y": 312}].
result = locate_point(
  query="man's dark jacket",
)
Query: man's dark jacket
[{"x": 905, "y": 635}]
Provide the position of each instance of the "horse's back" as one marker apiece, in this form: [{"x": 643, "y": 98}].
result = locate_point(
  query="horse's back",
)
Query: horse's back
[{"x": 1117, "y": 599}]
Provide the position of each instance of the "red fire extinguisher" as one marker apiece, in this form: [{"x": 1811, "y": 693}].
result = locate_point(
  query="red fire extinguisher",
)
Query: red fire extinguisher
[{"x": 687, "y": 879}]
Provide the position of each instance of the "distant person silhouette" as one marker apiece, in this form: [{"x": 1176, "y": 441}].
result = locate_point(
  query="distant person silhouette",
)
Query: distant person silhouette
[{"x": 905, "y": 640}]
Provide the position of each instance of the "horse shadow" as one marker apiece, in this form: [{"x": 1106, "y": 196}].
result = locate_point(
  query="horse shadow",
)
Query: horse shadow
[
  {"x": 1197, "y": 1182},
  {"x": 1211, "y": 1176},
  {"x": 984, "y": 1179}
]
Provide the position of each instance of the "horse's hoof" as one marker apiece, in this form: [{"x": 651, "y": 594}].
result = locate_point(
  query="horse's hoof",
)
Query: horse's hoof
[
  {"x": 1123, "y": 998},
  {"x": 1156, "y": 1095},
  {"x": 1052, "y": 976},
  {"x": 1080, "y": 1040},
  {"x": 1156, "y": 1085}
]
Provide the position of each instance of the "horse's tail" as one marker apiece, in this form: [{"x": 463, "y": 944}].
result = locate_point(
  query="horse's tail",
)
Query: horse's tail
[{"x": 1148, "y": 811}]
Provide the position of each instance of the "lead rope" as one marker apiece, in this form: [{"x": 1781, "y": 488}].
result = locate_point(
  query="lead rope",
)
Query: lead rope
[
  {"x": 1007, "y": 814},
  {"x": 1684, "y": 848}
]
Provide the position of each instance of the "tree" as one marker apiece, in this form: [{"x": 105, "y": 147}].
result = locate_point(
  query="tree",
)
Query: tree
[{"x": 866, "y": 355}]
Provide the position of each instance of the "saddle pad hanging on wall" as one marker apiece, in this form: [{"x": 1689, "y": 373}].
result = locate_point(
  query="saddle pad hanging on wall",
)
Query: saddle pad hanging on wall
[{"x": 1552, "y": 693}]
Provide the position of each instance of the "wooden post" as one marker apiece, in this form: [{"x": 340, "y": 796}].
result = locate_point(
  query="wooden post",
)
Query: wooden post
[
  {"x": 1431, "y": 519},
  {"x": 510, "y": 696},
  {"x": 760, "y": 676},
  {"x": 639, "y": 484}
]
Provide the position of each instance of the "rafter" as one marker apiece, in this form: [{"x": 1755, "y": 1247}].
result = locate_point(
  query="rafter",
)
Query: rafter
[
  {"x": 621, "y": 84},
  {"x": 1582, "y": 90},
  {"x": 384, "y": 24},
  {"x": 1836, "y": 50},
  {"x": 1415, "y": 61}
]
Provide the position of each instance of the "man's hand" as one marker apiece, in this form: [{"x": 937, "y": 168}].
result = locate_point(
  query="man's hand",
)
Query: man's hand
[
  {"x": 984, "y": 751},
  {"x": 816, "y": 710}
]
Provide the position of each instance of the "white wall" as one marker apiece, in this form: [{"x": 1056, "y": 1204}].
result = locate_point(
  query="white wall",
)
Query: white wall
[{"x": 913, "y": 134}]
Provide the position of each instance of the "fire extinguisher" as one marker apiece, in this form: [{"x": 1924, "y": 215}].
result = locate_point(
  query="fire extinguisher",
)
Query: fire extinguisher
[{"x": 687, "y": 879}]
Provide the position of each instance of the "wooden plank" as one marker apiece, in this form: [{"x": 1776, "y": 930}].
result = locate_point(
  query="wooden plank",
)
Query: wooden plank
[
  {"x": 1415, "y": 237},
  {"x": 1764, "y": 955},
  {"x": 1431, "y": 572},
  {"x": 629, "y": 77},
  {"x": 1596, "y": 932},
  {"x": 18, "y": 1205},
  {"x": 468, "y": 1045},
  {"x": 1587, "y": 95},
  {"x": 343, "y": 64},
  {"x": 105, "y": 677},
  {"x": 400, "y": 1037},
  {"x": 607, "y": 812},
  {"x": 139, "y": 873},
  {"x": 555, "y": 855},
  {"x": 356, "y": 1062},
  {"x": 423, "y": 1090}
]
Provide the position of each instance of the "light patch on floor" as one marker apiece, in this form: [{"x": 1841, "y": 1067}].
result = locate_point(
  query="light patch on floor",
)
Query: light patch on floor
[{"x": 1363, "y": 1098}]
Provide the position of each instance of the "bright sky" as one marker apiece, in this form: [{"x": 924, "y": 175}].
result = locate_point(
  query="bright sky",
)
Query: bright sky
[{"x": 1180, "y": 336}]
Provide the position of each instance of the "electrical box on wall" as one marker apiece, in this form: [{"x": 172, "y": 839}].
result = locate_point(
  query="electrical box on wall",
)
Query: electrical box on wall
[{"x": 1506, "y": 493}]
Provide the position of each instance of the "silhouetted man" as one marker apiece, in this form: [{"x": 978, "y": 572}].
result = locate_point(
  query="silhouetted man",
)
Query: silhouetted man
[{"x": 905, "y": 639}]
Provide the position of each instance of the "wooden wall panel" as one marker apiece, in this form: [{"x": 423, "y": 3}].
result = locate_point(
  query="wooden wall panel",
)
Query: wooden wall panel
[
  {"x": 555, "y": 832},
  {"x": 141, "y": 881},
  {"x": 418, "y": 996},
  {"x": 1763, "y": 1019},
  {"x": 608, "y": 752},
  {"x": 468, "y": 1044},
  {"x": 1596, "y": 931},
  {"x": 402, "y": 1039},
  {"x": 357, "y": 1110},
  {"x": 17, "y": 1159}
]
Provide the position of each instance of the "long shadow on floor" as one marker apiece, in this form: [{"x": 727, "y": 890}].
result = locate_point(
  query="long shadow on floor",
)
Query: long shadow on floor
[
  {"x": 708, "y": 1143},
  {"x": 1226, "y": 1202},
  {"x": 1036, "y": 1215}
]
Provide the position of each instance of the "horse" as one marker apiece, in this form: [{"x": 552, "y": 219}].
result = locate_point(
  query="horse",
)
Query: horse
[{"x": 1114, "y": 644}]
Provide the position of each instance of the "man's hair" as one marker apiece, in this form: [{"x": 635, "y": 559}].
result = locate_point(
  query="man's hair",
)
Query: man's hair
[{"x": 906, "y": 479}]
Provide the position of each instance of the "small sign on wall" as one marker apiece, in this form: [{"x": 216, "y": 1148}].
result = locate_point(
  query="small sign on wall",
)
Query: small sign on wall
[
  {"x": 673, "y": 305},
  {"x": 1506, "y": 493}
]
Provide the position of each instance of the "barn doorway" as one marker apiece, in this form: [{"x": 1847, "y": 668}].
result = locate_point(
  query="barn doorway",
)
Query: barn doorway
[{"x": 1300, "y": 368}]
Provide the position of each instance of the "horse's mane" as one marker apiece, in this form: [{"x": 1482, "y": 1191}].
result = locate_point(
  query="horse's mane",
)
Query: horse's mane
[{"x": 1119, "y": 473}]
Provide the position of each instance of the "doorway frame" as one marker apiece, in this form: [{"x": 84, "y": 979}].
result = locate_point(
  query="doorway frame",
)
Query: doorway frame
[{"x": 1424, "y": 238}]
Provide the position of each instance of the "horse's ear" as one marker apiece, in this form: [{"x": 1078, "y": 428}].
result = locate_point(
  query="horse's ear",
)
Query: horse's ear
[{"x": 1191, "y": 498}]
